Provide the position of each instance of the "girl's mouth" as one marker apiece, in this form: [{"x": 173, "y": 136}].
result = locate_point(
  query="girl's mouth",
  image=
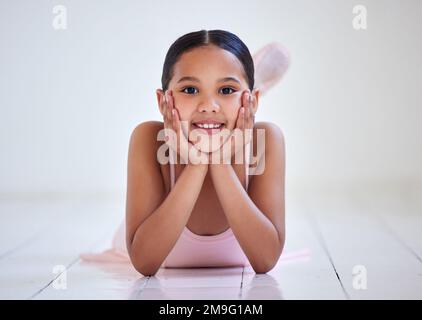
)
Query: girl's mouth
[{"x": 210, "y": 129}]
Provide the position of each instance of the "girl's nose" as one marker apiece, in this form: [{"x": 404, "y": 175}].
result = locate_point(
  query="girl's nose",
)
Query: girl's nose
[{"x": 209, "y": 105}]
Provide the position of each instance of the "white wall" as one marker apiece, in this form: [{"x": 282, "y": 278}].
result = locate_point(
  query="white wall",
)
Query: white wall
[{"x": 350, "y": 105}]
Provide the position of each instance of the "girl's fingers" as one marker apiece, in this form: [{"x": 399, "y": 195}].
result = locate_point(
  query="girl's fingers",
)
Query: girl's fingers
[
  {"x": 174, "y": 113},
  {"x": 243, "y": 118},
  {"x": 253, "y": 101},
  {"x": 250, "y": 111},
  {"x": 248, "y": 118},
  {"x": 169, "y": 120},
  {"x": 246, "y": 111},
  {"x": 168, "y": 109},
  {"x": 247, "y": 101},
  {"x": 240, "y": 118},
  {"x": 246, "y": 106},
  {"x": 168, "y": 115},
  {"x": 163, "y": 105},
  {"x": 171, "y": 112},
  {"x": 175, "y": 119},
  {"x": 243, "y": 112},
  {"x": 170, "y": 99}
]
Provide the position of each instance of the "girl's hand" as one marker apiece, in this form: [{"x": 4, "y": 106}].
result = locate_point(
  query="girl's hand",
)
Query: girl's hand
[
  {"x": 175, "y": 138},
  {"x": 242, "y": 131}
]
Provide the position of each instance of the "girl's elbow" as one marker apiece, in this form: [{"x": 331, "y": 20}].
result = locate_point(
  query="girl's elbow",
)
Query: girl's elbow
[
  {"x": 147, "y": 270},
  {"x": 262, "y": 268},
  {"x": 266, "y": 265},
  {"x": 143, "y": 266}
]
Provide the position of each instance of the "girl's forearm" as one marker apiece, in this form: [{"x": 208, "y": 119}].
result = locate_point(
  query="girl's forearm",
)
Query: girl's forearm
[
  {"x": 255, "y": 233},
  {"x": 156, "y": 236}
]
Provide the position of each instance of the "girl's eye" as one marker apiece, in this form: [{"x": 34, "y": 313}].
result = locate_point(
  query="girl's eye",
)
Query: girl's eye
[
  {"x": 190, "y": 91},
  {"x": 226, "y": 90}
]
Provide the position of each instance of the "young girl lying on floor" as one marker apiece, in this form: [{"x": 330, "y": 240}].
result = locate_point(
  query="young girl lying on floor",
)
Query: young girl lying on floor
[{"x": 203, "y": 207}]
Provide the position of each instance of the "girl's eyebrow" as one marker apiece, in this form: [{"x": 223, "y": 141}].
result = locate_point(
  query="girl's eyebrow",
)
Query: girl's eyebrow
[
  {"x": 188, "y": 78},
  {"x": 229, "y": 79}
]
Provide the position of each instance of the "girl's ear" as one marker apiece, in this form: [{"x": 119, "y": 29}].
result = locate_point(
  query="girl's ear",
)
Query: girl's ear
[
  {"x": 255, "y": 94},
  {"x": 160, "y": 100}
]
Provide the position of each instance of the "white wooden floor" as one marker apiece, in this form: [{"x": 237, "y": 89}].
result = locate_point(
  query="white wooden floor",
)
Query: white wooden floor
[{"x": 378, "y": 233}]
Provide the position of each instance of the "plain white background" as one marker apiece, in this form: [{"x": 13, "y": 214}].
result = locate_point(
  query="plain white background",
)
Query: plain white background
[{"x": 349, "y": 106}]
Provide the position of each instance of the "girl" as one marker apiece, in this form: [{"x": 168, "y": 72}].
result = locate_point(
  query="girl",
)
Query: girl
[{"x": 204, "y": 213}]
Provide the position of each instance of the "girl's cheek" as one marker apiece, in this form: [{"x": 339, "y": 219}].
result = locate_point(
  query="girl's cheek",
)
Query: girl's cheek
[
  {"x": 181, "y": 102},
  {"x": 232, "y": 109},
  {"x": 185, "y": 111}
]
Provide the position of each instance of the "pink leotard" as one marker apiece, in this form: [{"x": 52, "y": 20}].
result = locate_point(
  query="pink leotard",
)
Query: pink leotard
[{"x": 193, "y": 250}]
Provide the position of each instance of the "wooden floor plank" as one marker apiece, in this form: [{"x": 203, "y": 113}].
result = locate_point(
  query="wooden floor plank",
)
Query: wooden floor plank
[
  {"x": 15, "y": 229},
  {"x": 76, "y": 228},
  {"x": 309, "y": 275},
  {"x": 401, "y": 215},
  {"x": 330, "y": 234},
  {"x": 359, "y": 244}
]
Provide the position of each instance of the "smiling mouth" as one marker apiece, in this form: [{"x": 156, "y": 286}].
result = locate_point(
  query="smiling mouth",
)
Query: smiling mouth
[{"x": 209, "y": 128}]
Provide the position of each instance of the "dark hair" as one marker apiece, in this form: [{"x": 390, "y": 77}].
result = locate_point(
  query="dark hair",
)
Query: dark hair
[{"x": 220, "y": 38}]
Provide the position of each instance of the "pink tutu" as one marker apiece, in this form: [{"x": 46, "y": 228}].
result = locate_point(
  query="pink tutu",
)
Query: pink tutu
[{"x": 118, "y": 251}]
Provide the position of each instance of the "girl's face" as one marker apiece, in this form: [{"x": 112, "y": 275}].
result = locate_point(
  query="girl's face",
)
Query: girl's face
[{"x": 207, "y": 84}]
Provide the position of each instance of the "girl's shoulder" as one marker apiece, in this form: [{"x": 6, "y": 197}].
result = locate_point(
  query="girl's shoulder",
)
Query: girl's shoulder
[
  {"x": 145, "y": 136},
  {"x": 270, "y": 162},
  {"x": 267, "y": 125},
  {"x": 148, "y": 126},
  {"x": 273, "y": 133}
]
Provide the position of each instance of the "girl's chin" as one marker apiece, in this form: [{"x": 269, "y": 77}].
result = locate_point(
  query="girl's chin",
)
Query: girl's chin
[
  {"x": 208, "y": 140},
  {"x": 208, "y": 143}
]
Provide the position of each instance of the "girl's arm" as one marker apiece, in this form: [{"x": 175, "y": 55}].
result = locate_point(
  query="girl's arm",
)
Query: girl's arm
[
  {"x": 257, "y": 218},
  {"x": 154, "y": 222}
]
